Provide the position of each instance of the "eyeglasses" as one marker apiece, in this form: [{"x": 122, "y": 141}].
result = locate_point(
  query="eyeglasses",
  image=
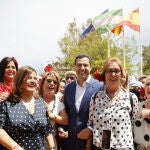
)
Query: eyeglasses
[
  {"x": 110, "y": 71},
  {"x": 50, "y": 80},
  {"x": 147, "y": 84},
  {"x": 71, "y": 78}
]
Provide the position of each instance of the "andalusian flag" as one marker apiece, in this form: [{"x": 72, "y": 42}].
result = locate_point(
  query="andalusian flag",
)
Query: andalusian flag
[
  {"x": 91, "y": 28},
  {"x": 132, "y": 21},
  {"x": 105, "y": 22}
]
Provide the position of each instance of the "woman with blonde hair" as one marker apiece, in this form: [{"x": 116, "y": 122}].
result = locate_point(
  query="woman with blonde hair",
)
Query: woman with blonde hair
[
  {"x": 48, "y": 90},
  {"x": 110, "y": 119}
]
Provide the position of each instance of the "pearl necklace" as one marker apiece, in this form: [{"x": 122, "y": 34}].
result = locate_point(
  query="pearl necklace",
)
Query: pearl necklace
[{"x": 51, "y": 106}]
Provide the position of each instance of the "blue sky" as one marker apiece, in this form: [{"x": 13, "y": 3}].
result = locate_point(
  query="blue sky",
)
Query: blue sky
[{"x": 30, "y": 29}]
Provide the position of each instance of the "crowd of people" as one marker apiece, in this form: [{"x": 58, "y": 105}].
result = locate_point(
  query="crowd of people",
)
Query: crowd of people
[{"x": 80, "y": 111}]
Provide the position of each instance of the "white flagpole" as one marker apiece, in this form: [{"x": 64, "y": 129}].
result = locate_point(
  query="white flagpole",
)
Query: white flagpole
[
  {"x": 108, "y": 47},
  {"x": 141, "y": 57},
  {"x": 124, "y": 51}
]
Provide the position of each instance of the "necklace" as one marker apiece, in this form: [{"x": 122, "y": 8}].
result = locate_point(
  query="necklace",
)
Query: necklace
[
  {"x": 53, "y": 106},
  {"x": 113, "y": 95}
]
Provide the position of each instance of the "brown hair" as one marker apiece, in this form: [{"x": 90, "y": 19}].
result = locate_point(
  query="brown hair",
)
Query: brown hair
[
  {"x": 52, "y": 74},
  {"x": 125, "y": 75},
  {"x": 22, "y": 73},
  {"x": 108, "y": 62}
]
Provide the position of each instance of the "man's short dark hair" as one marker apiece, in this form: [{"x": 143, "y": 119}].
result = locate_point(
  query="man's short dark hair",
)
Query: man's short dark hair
[{"x": 82, "y": 56}]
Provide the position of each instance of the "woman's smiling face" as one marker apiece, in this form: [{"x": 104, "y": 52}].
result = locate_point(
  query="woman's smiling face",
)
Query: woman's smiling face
[
  {"x": 50, "y": 85},
  {"x": 147, "y": 88},
  {"x": 113, "y": 75}
]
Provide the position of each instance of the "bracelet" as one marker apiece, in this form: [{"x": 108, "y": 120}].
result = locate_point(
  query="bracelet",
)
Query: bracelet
[
  {"x": 52, "y": 148},
  {"x": 14, "y": 147}
]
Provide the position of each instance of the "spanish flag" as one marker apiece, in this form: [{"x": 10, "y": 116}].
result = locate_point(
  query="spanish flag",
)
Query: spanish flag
[{"x": 132, "y": 21}]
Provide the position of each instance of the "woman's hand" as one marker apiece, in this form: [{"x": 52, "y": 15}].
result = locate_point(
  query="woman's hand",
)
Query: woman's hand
[
  {"x": 145, "y": 113},
  {"x": 3, "y": 96},
  {"x": 84, "y": 134},
  {"x": 62, "y": 134}
]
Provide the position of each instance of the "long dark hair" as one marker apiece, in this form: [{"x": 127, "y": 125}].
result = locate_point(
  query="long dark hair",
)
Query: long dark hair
[{"x": 3, "y": 64}]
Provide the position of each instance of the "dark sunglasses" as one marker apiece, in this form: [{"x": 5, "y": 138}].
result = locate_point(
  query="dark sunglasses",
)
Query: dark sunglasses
[
  {"x": 50, "y": 80},
  {"x": 110, "y": 71},
  {"x": 71, "y": 78}
]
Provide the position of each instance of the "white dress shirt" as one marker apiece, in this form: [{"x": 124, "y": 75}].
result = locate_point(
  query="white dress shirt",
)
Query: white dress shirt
[{"x": 80, "y": 90}]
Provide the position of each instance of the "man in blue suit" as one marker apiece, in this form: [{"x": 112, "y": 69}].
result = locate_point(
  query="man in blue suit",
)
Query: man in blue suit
[{"x": 77, "y": 98}]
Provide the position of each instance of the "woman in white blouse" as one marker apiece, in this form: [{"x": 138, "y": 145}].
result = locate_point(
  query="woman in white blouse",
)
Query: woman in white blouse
[
  {"x": 110, "y": 120},
  {"x": 142, "y": 123},
  {"x": 48, "y": 88}
]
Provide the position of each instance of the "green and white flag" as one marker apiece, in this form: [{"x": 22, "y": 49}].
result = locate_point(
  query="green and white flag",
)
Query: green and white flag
[{"x": 105, "y": 22}]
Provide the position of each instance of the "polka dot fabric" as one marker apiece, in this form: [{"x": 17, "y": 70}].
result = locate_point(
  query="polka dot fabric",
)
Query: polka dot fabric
[
  {"x": 26, "y": 129},
  {"x": 114, "y": 115},
  {"x": 142, "y": 128}
]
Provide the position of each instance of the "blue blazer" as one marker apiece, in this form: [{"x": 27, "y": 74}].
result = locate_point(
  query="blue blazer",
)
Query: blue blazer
[{"x": 78, "y": 119}]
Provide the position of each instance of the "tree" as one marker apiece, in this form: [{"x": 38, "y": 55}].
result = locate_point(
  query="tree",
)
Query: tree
[
  {"x": 94, "y": 45},
  {"x": 146, "y": 60}
]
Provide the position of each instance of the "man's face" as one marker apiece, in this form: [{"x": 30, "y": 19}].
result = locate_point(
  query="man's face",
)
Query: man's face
[{"x": 82, "y": 68}]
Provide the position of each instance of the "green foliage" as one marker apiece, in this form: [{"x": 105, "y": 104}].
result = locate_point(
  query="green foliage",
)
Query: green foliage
[
  {"x": 146, "y": 60},
  {"x": 95, "y": 45}
]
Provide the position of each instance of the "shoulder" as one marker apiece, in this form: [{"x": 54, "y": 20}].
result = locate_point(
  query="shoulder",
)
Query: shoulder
[
  {"x": 58, "y": 100},
  {"x": 70, "y": 85},
  {"x": 97, "y": 83},
  {"x": 39, "y": 100},
  {"x": 1, "y": 87},
  {"x": 132, "y": 95}
]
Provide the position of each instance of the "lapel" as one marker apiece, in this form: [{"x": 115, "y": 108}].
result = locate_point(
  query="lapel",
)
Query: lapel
[{"x": 72, "y": 96}]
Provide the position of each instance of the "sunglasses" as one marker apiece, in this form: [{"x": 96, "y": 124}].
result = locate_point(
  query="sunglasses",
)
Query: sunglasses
[
  {"x": 110, "y": 71},
  {"x": 71, "y": 78},
  {"x": 50, "y": 80}
]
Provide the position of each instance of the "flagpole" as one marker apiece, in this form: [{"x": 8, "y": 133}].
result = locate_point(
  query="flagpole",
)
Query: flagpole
[
  {"x": 124, "y": 52},
  {"x": 108, "y": 42},
  {"x": 141, "y": 58}
]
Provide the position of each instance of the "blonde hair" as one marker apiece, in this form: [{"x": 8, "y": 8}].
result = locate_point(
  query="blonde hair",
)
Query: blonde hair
[
  {"x": 108, "y": 62},
  {"x": 70, "y": 73},
  {"x": 52, "y": 74}
]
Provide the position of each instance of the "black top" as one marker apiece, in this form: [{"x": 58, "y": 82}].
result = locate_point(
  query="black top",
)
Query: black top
[{"x": 26, "y": 129}]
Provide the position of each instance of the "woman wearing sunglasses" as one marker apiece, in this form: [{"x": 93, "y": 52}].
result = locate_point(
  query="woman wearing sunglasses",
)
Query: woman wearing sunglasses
[
  {"x": 48, "y": 91},
  {"x": 70, "y": 76}
]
